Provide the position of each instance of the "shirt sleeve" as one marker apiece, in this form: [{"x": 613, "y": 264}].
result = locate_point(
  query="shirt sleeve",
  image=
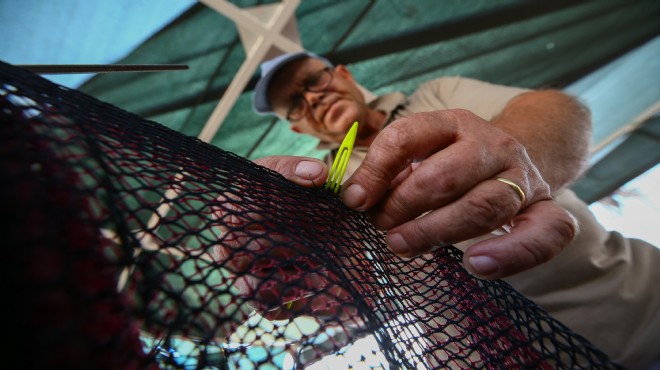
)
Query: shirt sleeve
[{"x": 482, "y": 98}]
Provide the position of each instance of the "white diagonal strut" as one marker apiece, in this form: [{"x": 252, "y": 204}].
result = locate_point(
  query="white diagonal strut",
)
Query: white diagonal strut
[
  {"x": 265, "y": 26},
  {"x": 265, "y": 31}
]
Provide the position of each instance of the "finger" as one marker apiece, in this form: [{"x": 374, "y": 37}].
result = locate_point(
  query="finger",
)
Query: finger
[
  {"x": 283, "y": 287},
  {"x": 538, "y": 234},
  {"x": 483, "y": 209},
  {"x": 334, "y": 301},
  {"x": 229, "y": 212},
  {"x": 438, "y": 181},
  {"x": 301, "y": 170},
  {"x": 395, "y": 148},
  {"x": 403, "y": 175}
]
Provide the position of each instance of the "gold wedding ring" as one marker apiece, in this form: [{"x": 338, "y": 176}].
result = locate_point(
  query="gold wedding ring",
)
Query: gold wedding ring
[{"x": 514, "y": 186}]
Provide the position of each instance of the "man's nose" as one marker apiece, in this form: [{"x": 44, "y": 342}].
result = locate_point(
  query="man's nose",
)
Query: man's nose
[{"x": 313, "y": 97}]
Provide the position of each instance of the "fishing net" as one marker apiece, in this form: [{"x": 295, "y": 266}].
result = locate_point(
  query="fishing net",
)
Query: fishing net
[{"x": 129, "y": 245}]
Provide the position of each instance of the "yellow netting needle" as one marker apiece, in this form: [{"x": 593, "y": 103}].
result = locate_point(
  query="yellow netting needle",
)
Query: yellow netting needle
[
  {"x": 338, "y": 170},
  {"x": 341, "y": 161}
]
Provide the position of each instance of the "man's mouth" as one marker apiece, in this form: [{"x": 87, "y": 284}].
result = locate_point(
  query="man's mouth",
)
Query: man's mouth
[{"x": 328, "y": 108}]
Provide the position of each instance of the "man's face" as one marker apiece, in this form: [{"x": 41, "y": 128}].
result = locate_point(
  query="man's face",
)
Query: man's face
[{"x": 329, "y": 113}]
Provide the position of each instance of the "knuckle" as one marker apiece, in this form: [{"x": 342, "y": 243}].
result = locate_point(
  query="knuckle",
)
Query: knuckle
[
  {"x": 396, "y": 207},
  {"x": 274, "y": 164},
  {"x": 268, "y": 162},
  {"x": 567, "y": 227},
  {"x": 488, "y": 213},
  {"x": 435, "y": 182},
  {"x": 507, "y": 141},
  {"x": 391, "y": 138},
  {"x": 372, "y": 177},
  {"x": 425, "y": 237},
  {"x": 463, "y": 120},
  {"x": 535, "y": 253},
  {"x": 447, "y": 186},
  {"x": 460, "y": 115}
]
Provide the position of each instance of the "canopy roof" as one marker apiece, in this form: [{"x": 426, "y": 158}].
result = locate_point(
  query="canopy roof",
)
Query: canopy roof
[{"x": 605, "y": 52}]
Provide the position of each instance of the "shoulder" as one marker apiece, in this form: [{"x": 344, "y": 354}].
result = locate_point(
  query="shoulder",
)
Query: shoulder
[
  {"x": 456, "y": 92},
  {"x": 449, "y": 86}
]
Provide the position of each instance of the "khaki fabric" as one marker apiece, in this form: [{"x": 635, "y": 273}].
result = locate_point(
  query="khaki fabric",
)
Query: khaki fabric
[{"x": 602, "y": 285}]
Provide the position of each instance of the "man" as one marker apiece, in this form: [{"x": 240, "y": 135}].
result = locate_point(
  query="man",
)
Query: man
[
  {"x": 484, "y": 167},
  {"x": 560, "y": 150}
]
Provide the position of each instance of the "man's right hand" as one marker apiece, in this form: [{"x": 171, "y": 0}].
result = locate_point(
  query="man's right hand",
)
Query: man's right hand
[
  {"x": 431, "y": 179},
  {"x": 300, "y": 170}
]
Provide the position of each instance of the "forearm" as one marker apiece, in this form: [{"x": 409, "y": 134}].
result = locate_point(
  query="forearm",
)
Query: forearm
[{"x": 555, "y": 130}]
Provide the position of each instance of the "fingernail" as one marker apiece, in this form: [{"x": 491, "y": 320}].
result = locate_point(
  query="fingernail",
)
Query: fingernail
[
  {"x": 354, "y": 196},
  {"x": 397, "y": 244},
  {"x": 308, "y": 169},
  {"x": 483, "y": 265}
]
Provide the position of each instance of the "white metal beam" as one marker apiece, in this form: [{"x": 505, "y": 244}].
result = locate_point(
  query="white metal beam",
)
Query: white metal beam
[
  {"x": 263, "y": 35},
  {"x": 266, "y": 31}
]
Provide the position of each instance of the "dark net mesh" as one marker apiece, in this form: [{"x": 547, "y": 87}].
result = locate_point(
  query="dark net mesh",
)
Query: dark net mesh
[{"x": 132, "y": 246}]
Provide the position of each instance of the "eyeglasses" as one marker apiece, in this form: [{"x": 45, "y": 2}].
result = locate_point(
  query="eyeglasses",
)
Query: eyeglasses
[{"x": 317, "y": 82}]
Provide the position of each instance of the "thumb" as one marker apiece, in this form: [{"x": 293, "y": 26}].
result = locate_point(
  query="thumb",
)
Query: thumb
[{"x": 300, "y": 170}]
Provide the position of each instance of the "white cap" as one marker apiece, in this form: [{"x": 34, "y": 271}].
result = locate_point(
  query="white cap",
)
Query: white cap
[{"x": 268, "y": 70}]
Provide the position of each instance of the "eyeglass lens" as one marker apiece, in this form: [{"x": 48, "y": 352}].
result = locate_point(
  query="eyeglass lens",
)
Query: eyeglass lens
[{"x": 316, "y": 83}]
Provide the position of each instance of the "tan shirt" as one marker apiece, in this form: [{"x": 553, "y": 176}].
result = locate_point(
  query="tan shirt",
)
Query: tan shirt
[{"x": 602, "y": 285}]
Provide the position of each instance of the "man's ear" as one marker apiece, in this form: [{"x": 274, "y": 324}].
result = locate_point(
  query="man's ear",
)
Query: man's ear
[
  {"x": 295, "y": 128},
  {"x": 344, "y": 72}
]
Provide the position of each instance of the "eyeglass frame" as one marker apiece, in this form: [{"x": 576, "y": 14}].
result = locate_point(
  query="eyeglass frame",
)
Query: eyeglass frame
[{"x": 306, "y": 88}]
